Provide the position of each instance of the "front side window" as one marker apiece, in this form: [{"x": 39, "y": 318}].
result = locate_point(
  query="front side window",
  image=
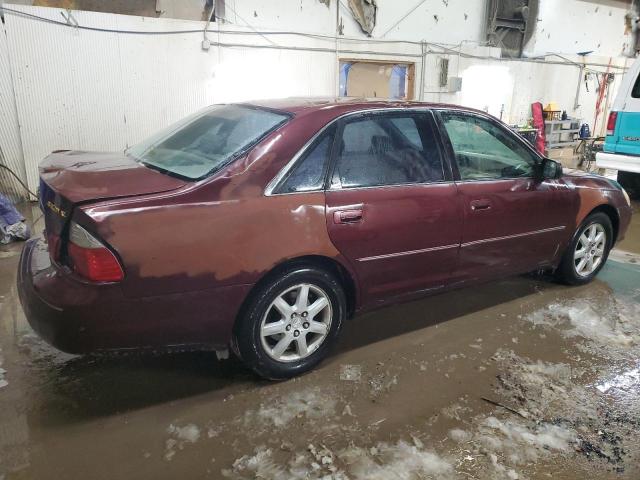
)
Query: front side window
[
  {"x": 486, "y": 151},
  {"x": 388, "y": 149},
  {"x": 200, "y": 144}
]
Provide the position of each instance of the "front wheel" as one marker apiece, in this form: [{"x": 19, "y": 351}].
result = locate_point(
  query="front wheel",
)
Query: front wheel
[
  {"x": 588, "y": 251},
  {"x": 290, "y": 323}
]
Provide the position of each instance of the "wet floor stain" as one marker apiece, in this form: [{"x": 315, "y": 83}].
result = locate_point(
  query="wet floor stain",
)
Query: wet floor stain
[{"x": 522, "y": 378}]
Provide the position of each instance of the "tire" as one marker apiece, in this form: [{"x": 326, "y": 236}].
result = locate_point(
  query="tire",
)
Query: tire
[
  {"x": 569, "y": 270},
  {"x": 263, "y": 330}
]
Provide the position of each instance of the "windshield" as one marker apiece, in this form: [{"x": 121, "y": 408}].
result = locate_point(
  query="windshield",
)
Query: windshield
[{"x": 201, "y": 143}]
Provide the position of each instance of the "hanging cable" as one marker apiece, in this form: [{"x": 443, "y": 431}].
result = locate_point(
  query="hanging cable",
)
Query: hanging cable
[
  {"x": 18, "y": 180},
  {"x": 249, "y": 25}
]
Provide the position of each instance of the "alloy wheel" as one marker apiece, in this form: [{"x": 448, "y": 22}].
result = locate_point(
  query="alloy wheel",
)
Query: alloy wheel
[
  {"x": 590, "y": 250},
  {"x": 296, "y": 323}
]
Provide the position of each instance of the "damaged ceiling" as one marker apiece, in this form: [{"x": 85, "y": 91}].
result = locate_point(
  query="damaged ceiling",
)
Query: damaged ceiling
[
  {"x": 510, "y": 24},
  {"x": 364, "y": 12}
]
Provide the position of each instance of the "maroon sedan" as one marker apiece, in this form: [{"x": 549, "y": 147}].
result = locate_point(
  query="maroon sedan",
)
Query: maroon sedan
[{"x": 264, "y": 226}]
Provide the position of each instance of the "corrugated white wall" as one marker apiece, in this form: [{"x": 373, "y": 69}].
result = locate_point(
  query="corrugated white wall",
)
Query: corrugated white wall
[
  {"x": 10, "y": 143},
  {"x": 96, "y": 90},
  {"x": 87, "y": 90}
]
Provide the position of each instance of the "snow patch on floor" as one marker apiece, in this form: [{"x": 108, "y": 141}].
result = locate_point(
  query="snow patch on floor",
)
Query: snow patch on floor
[
  {"x": 259, "y": 465},
  {"x": 395, "y": 460},
  {"x": 611, "y": 322},
  {"x": 189, "y": 433},
  {"x": 498, "y": 448},
  {"x": 459, "y": 436},
  {"x": 401, "y": 460},
  {"x": 516, "y": 436},
  {"x": 179, "y": 438},
  {"x": 541, "y": 390},
  {"x": 310, "y": 404}
]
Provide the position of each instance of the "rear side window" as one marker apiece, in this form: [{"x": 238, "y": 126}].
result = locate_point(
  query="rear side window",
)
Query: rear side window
[
  {"x": 388, "y": 149},
  {"x": 308, "y": 174}
]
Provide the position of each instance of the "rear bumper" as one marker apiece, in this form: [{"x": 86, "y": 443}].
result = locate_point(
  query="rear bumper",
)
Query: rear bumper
[
  {"x": 618, "y": 161},
  {"x": 80, "y": 318}
]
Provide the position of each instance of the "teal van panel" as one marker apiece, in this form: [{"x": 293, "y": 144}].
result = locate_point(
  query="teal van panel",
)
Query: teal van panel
[
  {"x": 610, "y": 143},
  {"x": 627, "y": 133}
]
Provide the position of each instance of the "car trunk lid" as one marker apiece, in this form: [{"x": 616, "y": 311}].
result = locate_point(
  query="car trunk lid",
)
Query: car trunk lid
[
  {"x": 69, "y": 178},
  {"x": 83, "y": 176}
]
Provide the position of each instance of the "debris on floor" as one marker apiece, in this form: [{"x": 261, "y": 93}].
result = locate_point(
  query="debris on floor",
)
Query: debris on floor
[{"x": 350, "y": 373}]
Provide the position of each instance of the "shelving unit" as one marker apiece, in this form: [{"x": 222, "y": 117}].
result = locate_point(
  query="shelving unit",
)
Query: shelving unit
[{"x": 561, "y": 133}]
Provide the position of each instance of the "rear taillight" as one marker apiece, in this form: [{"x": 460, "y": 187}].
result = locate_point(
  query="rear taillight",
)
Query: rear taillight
[
  {"x": 89, "y": 258},
  {"x": 611, "y": 123}
]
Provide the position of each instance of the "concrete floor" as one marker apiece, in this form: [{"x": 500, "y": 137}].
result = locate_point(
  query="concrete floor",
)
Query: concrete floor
[{"x": 406, "y": 395}]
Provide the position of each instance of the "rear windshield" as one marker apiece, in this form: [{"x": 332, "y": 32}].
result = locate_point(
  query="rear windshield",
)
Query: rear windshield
[{"x": 200, "y": 144}]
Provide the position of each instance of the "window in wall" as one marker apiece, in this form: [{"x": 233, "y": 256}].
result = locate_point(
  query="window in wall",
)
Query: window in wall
[{"x": 360, "y": 78}]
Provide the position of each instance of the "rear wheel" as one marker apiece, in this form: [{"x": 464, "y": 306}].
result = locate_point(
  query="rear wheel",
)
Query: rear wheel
[
  {"x": 290, "y": 323},
  {"x": 588, "y": 251}
]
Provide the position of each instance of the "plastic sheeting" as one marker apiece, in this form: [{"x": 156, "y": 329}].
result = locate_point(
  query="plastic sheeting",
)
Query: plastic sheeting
[{"x": 12, "y": 224}]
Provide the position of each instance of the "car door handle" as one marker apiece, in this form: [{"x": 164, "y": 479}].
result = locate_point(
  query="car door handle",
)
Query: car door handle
[
  {"x": 352, "y": 215},
  {"x": 480, "y": 205}
]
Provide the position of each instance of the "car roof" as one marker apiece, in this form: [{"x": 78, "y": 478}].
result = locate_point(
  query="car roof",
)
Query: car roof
[{"x": 299, "y": 105}]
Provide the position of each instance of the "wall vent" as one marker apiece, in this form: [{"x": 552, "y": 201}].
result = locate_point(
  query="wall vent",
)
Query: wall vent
[{"x": 444, "y": 72}]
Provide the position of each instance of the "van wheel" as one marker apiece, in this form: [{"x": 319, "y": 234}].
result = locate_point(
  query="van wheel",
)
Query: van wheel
[
  {"x": 588, "y": 251},
  {"x": 290, "y": 323}
]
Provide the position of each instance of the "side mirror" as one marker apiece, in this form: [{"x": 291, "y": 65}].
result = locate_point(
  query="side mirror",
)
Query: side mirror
[{"x": 550, "y": 169}]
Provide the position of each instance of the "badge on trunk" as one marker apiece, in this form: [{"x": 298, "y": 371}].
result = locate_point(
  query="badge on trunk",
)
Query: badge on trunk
[{"x": 56, "y": 209}]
